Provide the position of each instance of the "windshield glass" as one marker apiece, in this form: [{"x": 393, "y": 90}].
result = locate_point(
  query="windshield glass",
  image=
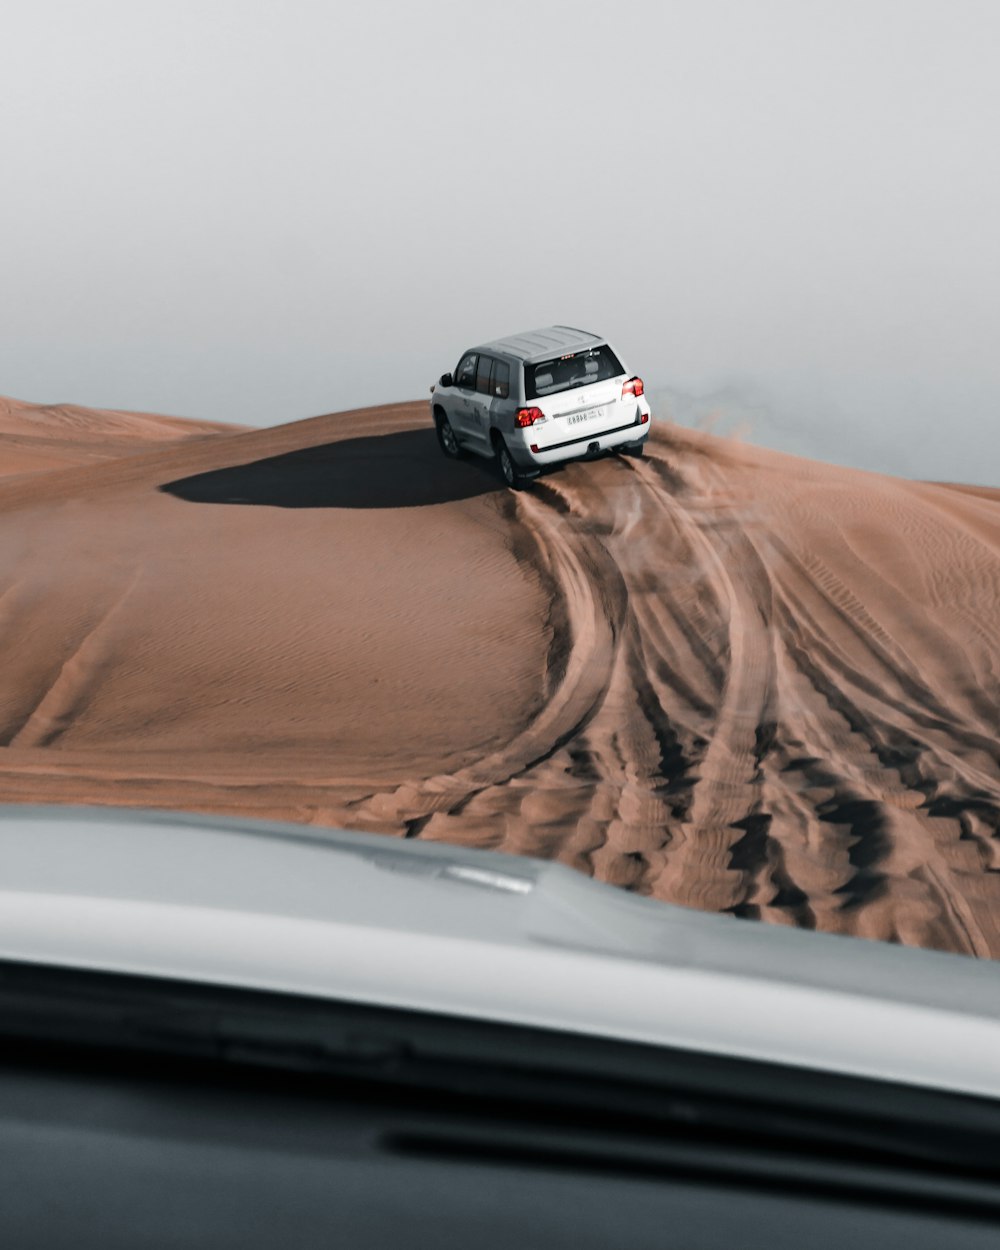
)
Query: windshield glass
[
  {"x": 603, "y": 471},
  {"x": 565, "y": 373}
]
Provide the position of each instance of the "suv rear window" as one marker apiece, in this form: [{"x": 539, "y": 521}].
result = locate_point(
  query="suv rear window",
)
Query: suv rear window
[{"x": 564, "y": 373}]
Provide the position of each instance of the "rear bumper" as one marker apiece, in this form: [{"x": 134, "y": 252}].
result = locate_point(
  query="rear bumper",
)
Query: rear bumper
[{"x": 581, "y": 447}]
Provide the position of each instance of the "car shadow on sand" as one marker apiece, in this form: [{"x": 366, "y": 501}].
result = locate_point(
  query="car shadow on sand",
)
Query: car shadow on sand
[{"x": 404, "y": 470}]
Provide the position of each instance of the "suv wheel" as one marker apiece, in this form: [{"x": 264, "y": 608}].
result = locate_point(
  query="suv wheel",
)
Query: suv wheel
[
  {"x": 508, "y": 469},
  {"x": 446, "y": 437}
]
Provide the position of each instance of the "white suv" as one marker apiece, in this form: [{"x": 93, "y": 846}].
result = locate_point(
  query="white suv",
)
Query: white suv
[{"x": 540, "y": 398}]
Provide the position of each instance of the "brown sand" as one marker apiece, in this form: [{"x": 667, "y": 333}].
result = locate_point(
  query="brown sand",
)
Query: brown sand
[
  {"x": 38, "y": 437},
  {"x": 721, "y": 676}
]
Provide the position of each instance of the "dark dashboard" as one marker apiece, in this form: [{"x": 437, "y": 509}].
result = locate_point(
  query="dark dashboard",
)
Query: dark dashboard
[{"x": 143, "y": 1113}]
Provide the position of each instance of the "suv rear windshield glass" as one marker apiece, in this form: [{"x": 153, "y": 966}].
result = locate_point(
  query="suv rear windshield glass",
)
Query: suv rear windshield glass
[{"x": 563, "y": 373}]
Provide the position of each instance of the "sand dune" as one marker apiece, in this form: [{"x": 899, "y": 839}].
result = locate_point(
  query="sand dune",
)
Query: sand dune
[
  {"x": 38, "y": 437},
  {"x": 720, "y": 676}
]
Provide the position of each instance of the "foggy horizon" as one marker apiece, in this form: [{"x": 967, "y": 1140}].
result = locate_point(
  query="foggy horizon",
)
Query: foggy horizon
[{"x": 256, "y": 213}]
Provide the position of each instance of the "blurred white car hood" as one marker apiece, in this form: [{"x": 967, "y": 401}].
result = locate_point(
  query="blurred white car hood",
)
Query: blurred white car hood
[{"x": 368, "y": 919}]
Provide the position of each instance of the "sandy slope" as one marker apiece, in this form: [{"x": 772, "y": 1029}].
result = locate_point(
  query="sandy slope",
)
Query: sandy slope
[
  {"x": 38, "y": 437},
  {"x": 719, "y": 675}
]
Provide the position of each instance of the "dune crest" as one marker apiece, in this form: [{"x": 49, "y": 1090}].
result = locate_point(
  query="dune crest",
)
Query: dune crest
[
  {"x": 35, "y": 438},
  {"x": 721, "y": 676}
]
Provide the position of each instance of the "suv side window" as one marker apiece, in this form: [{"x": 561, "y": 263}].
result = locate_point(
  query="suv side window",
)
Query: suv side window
[
  {"x": 483, "y": 376},
  {"x": 500, "y": 382},
  {"x": 465, "y": 374}
]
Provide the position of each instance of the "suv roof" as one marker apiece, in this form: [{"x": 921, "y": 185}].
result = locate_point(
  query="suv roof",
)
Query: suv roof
[{"x": 542, "y": 344}]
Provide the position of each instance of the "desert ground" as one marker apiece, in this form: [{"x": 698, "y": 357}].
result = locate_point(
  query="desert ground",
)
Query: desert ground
[{"x": 717, "y": 675}]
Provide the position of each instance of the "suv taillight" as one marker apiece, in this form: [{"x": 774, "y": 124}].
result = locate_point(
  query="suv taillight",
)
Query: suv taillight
[
  {"x": 632, "y": 387},
  {"x": 528, "y": 416}
]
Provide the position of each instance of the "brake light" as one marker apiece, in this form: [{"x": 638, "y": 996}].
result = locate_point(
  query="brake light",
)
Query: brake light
[
  {"x": 528, "y": 416},
  {"x": 632, "y": 387}
]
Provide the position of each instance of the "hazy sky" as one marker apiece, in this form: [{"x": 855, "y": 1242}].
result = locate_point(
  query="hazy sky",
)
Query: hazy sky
[{"x": 260, "y": 211}]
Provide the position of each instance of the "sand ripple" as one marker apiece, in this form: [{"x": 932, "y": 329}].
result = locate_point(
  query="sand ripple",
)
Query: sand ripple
[
  {"x": 717, "y": 675},
  {"x": 737, "y": 728}
]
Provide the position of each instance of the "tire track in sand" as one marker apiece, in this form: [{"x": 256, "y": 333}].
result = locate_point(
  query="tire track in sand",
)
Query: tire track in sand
[
  {"x": 592, "y": 603},
  {"x": 606, "y": 775},
  {"x": 707, "y": 740},
  {"x": 80, "y": 671}
]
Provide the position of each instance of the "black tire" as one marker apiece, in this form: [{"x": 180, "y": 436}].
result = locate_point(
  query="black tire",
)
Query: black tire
[
  {"x": 634, "y": 449},
  {"x": 508, "y": 467},
  {"x": 447, "y": 441}
]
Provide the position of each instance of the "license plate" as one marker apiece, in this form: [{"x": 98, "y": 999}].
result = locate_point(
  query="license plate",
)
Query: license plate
[{"x": 585, "y": 416}]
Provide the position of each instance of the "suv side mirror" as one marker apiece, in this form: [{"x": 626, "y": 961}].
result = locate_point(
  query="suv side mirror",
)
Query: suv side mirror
[{"x": 446, "y": 379}]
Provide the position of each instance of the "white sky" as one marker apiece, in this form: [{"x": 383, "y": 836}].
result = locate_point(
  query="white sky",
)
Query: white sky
[{"x": 258, "y": 211}]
